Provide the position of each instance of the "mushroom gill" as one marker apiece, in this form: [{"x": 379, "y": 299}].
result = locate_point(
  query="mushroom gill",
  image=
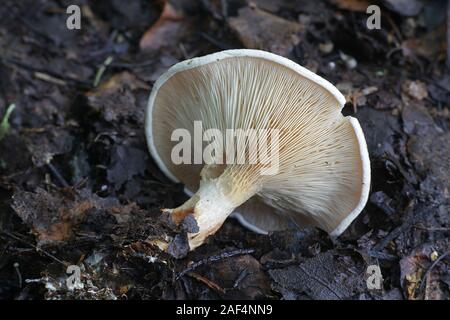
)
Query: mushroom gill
[{"x": 322, "y": 171}]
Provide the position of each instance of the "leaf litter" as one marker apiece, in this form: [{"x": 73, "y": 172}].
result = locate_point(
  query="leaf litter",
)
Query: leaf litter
[{"x": 78, "y": 187}]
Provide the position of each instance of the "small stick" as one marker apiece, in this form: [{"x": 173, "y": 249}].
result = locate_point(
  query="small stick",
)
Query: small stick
[
  {"x": 58, "y": 176},
  {"x": 34, "y": 246},
  {"x": 408, "y": 221},
  {"x": 48, "y": 78},
  {"x": 34, "y": 69},
  {"x": 425, "y": 276},
  {"x": 211, "y": 284},
  {"x": 215, "y": 258},
  {"x": 421, "y": 227},
  {"x": 241, "y": 278}
]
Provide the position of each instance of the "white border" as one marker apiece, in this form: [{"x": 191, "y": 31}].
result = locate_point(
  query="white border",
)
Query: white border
[
  {"x": 364, "y": 153},
  {"x": 239, "y": 217},
  {"x": 200, "y": 61}
]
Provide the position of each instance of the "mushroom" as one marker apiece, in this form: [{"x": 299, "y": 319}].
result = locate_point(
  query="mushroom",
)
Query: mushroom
[{"x": 323, "y": 169}]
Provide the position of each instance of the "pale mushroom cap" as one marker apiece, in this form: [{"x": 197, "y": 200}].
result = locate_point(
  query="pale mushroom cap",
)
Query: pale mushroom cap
[{"x": 324, "y": 174}]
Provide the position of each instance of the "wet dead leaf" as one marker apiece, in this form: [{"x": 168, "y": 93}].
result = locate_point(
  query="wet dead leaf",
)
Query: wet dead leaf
[
  {"x": 414, "y": 268},
  {"x": 242, "y": 277},
  {"x": 440, "y": 89},
  {"x": 328, "y": 275},
  {"x": 431, "y": 46},
  {"x": 258, "y": 29},
  {"x": 45, "y": 143},
  {"x": 115, "y": 98},
  {"x": 404, "y": 7},
  {"x": 428, "y": 147},
  {"x": 352, "y": 5},
  {"x": 167, "y": 30},
  {"x": 127, "y": 162}
]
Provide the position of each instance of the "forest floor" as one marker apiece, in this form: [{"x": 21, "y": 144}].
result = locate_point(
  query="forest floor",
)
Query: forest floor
[{"x": 78, "y": 187}]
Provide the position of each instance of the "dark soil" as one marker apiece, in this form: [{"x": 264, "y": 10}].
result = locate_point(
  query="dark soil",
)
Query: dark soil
[{"x": 78, "y": 187}]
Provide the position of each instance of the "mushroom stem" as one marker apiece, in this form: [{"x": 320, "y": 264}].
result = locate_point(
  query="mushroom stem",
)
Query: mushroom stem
[{"x": 214, "y": 201}]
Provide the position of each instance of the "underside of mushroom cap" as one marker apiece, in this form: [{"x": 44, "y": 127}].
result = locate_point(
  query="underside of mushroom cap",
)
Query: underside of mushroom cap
[
  {"x": 324, "y": 169},
  {"x": 333, "y": 215}
]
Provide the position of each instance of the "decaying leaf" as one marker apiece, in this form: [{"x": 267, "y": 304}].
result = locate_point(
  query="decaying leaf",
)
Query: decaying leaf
[
  {"x": 127, "y": 162},
  {"x": 115, "y": 99},
  {"x": 430, "y": 46},
  {"x": 258, "y": 29},
  {"x": 416, "y": 277},
  {"x": 404, "y": 7},
  {"x": 428, "y": 147},
  {"x": 321, "y": 277},
  {"x": 54, "y": 217},
  {"x": 242, "y": 277},
  {"x": 45, "y": 143},
  {"x": 168, "y": 29},
  {"x": 352, "y": 5}
]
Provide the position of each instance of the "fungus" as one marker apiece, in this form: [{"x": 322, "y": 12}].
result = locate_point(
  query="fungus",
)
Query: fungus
[{"x": 322, "y": 174}]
